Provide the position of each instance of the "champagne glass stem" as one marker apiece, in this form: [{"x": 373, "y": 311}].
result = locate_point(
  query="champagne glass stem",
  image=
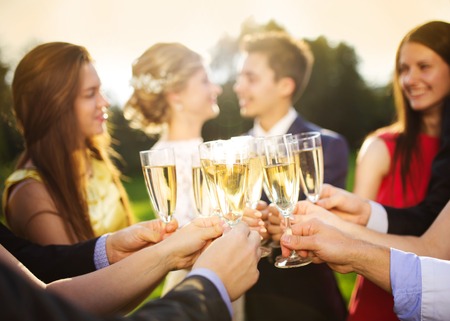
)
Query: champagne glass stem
[{"x": 287, "y": 223}]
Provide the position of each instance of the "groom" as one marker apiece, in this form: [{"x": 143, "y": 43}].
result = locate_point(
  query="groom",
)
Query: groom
[{"x": 274, "y": 74}]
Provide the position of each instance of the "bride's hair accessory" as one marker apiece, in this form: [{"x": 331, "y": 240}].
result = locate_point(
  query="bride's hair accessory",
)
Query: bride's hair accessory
[{"x": 150, "y": 84}]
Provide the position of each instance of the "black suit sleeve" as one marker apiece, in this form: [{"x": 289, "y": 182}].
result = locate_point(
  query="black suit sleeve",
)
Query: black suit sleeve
[
  {"x": 416, "y": 220},
  {"x": 51, "y": 262},
  {"x": 195, "y": 299}
]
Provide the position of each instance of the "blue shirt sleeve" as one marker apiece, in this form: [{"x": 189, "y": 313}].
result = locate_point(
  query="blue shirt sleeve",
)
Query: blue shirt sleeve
[
  {"x": 406, "y": 284},
  {"x": 100, "y": 257},
  {"x": 210, "y": 275}
]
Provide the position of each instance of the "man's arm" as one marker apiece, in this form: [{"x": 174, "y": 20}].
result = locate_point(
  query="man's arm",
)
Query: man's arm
[
  {"x": 50, "y": 262},
  {"x": 432, "y": 243},
  {"x": 195, "y": 299},
  {"x": 232, "y": 257},
  {"x": 133, "y": 277},
  {"x": 53, "y": 262},
  {"x": 419, "y": 284},
  {"x": 342, "y": 252}
]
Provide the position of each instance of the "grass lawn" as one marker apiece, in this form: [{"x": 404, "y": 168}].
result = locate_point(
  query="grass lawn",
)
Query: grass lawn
[{"x": 142, "y": 210}]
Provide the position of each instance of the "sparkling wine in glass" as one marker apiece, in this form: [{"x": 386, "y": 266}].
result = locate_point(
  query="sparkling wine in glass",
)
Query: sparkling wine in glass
[
  {"x": 255, "y": 170},
  {"x": 311, "y": 164},
  {"x": 207, "y": 150},
  {"x": 255, "y": 178},
  {"x": 158, "y": 167},
  {"x": 225, "y": 164},
  {"x": 282, "y": 179},
  {"x": 203, "y": 199}
]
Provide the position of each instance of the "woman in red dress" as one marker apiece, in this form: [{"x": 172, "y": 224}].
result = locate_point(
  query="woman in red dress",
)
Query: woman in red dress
[{"x": 394, "y": 163}]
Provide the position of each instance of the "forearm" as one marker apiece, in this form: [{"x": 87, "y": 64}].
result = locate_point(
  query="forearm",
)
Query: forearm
[
  {"x": 405, "y": 243},
  {"x": 373, "y": 262},
  {"x": 117, "y": 288}
]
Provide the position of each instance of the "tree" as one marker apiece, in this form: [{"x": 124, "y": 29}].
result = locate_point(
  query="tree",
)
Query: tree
[{"x": 338, "y": 98}]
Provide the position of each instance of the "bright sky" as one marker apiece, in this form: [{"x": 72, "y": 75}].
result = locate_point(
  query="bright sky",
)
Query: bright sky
[{"x": 117, "y": 31}]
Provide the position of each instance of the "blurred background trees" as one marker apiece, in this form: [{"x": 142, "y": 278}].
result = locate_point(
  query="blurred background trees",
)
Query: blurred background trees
[{"x": 337, "y": 98}]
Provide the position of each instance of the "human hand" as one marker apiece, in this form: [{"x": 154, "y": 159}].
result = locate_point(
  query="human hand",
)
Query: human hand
[
  {"x": 348, "y": 206},
  {"x": 126, "y": 241},
  {"x": 274, "y": 223},
  {"x": 234, "y": 258},
  {"x": 323, "y": 243},
  {"x": 256, "y": 218},
  {"x": 183, "y": 247},
  {"x": 305, "y": 211}
]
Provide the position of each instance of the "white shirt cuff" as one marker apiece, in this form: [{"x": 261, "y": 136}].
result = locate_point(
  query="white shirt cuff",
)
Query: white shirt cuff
[{"x": 378, "y": 220}]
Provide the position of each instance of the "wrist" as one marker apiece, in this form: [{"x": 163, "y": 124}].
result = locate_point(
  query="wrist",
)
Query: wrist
[
  {"x": 111, "y": 252},
  {"x": 167, "y": 258},
  {"x": 367, "y": 209},
  {"x": 366, "y": 257}
]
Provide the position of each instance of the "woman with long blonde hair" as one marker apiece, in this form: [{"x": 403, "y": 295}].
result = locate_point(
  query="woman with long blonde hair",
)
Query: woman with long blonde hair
[{"x": 173, "y": 97}]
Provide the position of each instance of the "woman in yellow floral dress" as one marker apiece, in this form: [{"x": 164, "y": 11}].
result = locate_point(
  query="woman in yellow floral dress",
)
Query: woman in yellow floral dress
[{"x": 65, "y": 188}]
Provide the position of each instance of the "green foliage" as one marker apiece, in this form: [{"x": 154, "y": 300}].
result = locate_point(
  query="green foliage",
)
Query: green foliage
[
  {"x": 346, "y": 283},
  {"x": 337, "y": 97},
  {"x": 139, "y": 199},
  {"x": 127, "y": 142}
]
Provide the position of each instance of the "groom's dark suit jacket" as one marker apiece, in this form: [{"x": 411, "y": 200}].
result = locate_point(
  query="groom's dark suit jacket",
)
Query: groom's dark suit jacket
[
  {"x": 50, "y": 262},
  {"x": 310, "y": 292}
]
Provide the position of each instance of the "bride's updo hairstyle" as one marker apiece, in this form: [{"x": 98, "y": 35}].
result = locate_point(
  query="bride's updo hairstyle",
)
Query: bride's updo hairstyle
[{"x": 163, "y": 68}]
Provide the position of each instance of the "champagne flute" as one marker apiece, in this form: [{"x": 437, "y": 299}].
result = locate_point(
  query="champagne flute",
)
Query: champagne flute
[
  {"x": 273, "y": 244},
  {"x": 228, "y": 164},
  {"x": 206, "y": 154},
  {"x": 311, "y": 164},
  {"x": 203, "y": 199},
  {"x": 282, "y": 178},
  {"x": 255, "y": 171},
  {"x": 158, "y": 167},
  {"x": 255, "y": 178}
]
